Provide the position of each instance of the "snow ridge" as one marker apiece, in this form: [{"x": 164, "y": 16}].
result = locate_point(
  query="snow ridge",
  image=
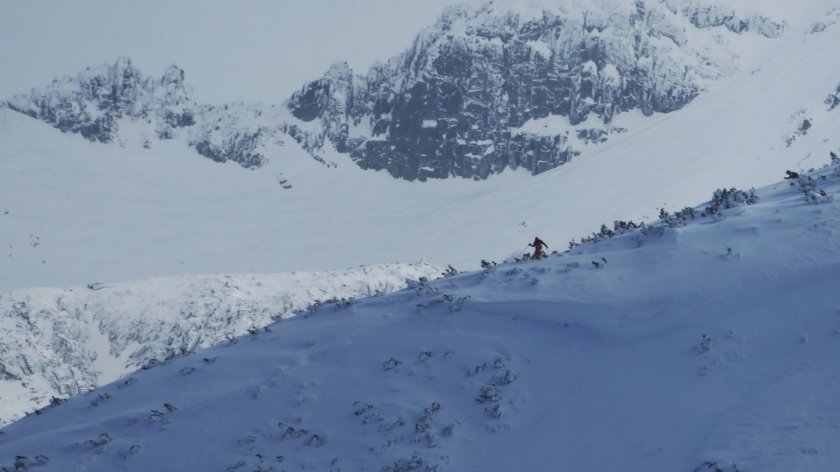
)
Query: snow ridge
[{"x": 61, "y": 342}]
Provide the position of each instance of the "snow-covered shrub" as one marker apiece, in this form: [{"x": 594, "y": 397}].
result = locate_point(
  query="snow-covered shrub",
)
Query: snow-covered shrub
[
  {"x": 808, "y": 185},
  {"x": 705, "y": 344},
  {"x": 340, "y": 303},
  {"x": 454, "y": 304},
  {"x": 709, "y": 466},
  {"x": 678, "y": 218},
  {"x": 833, "y": 100},
  {"x": 450, "y": 271},
  {"x": 362, "y": 408},
  {"x": 619, "y": 227},
  {"x": 421, "y": 286},
  {"x": 505, "y": 379},
  {"x": 724, "y": 199},
  {"x": 652, "y": 231},
  {"x": 23, "y": 463},
  {"x": 391, "y": 364},
  {"x": 426, "y": 420},
  {"x": 415, "y": 464},
  {"x": 97, "y": 443},
  {"x": 488, "y": 394}
]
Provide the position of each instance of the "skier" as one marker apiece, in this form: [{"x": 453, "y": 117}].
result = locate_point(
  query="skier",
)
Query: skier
[
  {"x": 538, "y": 247},
  {"x": 791, "y": 174}
]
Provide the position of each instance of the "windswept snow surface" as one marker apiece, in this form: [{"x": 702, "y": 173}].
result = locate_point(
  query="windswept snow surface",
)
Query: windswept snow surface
[
  {"x": 61, "y": 342},
  {"x": 705, "y": 344}
]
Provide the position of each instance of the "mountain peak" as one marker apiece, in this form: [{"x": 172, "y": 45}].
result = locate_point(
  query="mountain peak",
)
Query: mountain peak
[{"x": 454, "y": 103}]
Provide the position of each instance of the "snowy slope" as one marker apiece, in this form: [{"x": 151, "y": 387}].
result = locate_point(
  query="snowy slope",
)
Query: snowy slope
[
  {"x": 60, "y": 342},
  {"x": 701, "y": 344}
]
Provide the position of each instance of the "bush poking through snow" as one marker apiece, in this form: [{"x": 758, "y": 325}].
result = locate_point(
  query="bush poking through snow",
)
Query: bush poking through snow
[
  {"x": 705, "y": 344},
  {"x": 487, "y": 264},
  {"x": 391, "y": 364},
  {"x": 426, "y": 420},
  {"x": 361, "y": 408},
  {"x": 505, "y": 379},
  {"x": 421, "y": 286},
  {"x": 102, "y": 397},
  {"x": 100, "y": 441},
  {"x": 488, "y": 394},
  {"x": 23, "y": 463},
  {"x": 415, "y": 464},
  {"x": 678, "y": 218},
  {"x": 454, "y": 304},
  {"x": 236, "y": 466},
  {"x": 619, "y": 227},
  {"x": 808, "y": 186},
  {"x": 316, "y": 440},
  {"x": 833, "y": 100},
  {"x": 724, "y": 199},
  {"x": 709, "y": 466},
  {"x": 132, "y": 450},
  {"x": 450, "y": 271}
]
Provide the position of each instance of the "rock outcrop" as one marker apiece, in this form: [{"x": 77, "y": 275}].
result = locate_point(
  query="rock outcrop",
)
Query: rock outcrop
[{"x": 455, "y": 102}]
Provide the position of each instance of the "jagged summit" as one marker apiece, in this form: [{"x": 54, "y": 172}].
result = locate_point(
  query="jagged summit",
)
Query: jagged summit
[
  {"x": 95, "y": 101},
  {"x": 457, "y": 101},
  {"x": 470, "y": 97},
  {"x": 118, "y": 103}
]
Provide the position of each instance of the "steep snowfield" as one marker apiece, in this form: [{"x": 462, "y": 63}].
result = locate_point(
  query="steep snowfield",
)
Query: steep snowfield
[
  {"x": 710, "y": 344},
  {"x": 73, "y": 212},
  {"x": 61, "y": 342}
]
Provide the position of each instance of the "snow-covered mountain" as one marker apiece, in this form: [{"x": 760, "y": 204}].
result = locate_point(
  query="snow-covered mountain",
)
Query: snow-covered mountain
[
  {"x": 170, "y": 213},
  {"x": 93, "y": 102},
  {"x": 117, "y": 103},
  {"x": 58, "y": 343},
  {"x": 490, "y": 86},
  {"x": 680, "y": 346},
  {"x": 707, "y": 341},
  {"x": 463, "y": 99}
]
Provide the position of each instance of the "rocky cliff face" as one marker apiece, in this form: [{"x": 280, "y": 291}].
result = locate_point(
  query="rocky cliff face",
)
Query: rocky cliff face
[
  {"x": 117, "y": 103},
  {"x": 94, "y": 102},
  {"x": 469, "y": 98},
  {"x": 454, "y": 104}
]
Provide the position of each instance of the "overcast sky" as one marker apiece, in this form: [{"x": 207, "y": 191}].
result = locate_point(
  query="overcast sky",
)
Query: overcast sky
[{"x": 236, "y": 50}]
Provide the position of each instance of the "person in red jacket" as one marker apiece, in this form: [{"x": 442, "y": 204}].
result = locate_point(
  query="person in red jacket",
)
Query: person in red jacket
[{"x": 538, "y": 247}]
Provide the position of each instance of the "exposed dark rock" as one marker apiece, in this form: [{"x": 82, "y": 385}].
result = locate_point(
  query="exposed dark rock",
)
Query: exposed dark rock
[
  {"x": 462, "y": 100},
  {"x": 833, "y": 100},
  {"x": 93, "y": 102},
  {"x": 238, "y": 147},
  {"x": 454, "y": 102}
]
